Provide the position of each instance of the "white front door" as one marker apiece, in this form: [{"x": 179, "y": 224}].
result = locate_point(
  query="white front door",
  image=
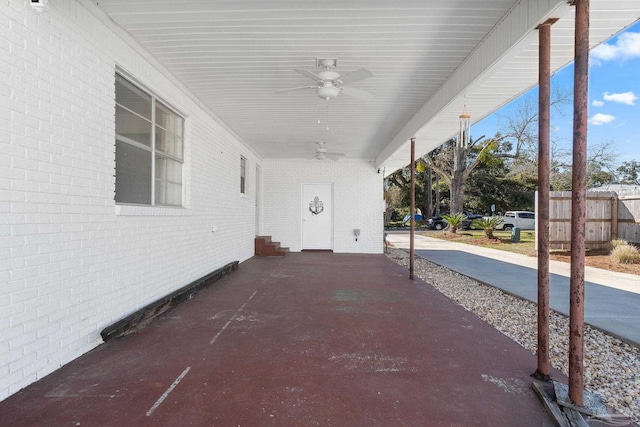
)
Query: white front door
[{"x": 317, "y": 216}]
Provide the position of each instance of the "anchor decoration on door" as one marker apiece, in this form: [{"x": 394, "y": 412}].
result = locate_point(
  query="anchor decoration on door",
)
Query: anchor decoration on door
[{"x": 316, "y": 206}]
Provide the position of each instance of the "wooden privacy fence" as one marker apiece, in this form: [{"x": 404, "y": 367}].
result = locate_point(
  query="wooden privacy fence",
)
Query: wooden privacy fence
[{"x": 609, "y": 216}]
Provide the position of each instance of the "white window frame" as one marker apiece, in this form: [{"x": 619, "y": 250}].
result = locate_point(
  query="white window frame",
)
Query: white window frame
[{"x": 152, "y": 148}]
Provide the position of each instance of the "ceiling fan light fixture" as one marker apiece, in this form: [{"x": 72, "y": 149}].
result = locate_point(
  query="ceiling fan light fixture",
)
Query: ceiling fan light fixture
[{"x": 328, "y": 92}]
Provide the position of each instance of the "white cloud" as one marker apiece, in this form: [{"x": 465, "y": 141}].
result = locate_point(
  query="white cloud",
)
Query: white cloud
[
  {"x": 628, "y": 98},
  {"x": 597, "y": 103},
  {"x": 626, "y": 46},
  {"x": 601, "y": 119}
]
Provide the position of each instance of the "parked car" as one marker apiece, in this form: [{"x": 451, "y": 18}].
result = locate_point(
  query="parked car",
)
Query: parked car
[
  {"x": 524, "y": 220},
  {"x": 438, "y": 223}
]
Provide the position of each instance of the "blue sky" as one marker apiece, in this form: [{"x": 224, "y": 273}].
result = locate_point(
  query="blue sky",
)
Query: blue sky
[{"x": 614, "y": 98}]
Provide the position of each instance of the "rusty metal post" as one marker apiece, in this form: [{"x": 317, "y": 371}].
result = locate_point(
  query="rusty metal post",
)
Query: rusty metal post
[
  {"x": 544, "y": 104},
  {"x": 578, "y": 203},
  {"x": 412, "y": 208}
]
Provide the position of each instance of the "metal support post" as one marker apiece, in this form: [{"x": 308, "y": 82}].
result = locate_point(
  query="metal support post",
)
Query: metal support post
[
  {"x": 578, "y": 203},
  {"x": 412, "y": 208},
  {"x": 543, "y": 370}
]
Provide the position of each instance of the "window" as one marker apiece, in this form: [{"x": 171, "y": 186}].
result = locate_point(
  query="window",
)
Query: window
[
  {"x": 149, "y": 142},
  {"x": 243, "y": 175}
]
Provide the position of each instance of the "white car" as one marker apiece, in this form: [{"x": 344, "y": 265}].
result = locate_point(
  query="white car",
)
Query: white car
[{"x": 522, "y": 219}]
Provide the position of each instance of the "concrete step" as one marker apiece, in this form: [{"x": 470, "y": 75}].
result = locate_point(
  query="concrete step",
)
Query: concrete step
[{"x": 265, "y": 247}]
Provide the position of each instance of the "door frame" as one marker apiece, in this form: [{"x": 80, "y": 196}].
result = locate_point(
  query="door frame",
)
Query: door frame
[{"x": 304, "y": 205}]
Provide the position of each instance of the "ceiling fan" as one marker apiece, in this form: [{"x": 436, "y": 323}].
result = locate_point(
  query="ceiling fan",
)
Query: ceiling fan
[
  {"x": 321, "y": 153},
  {"x": 330, "y": 84}
]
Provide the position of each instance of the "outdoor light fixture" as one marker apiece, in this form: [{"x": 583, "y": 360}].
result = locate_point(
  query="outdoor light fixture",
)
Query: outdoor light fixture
[
  {"x": 464, "y": 137},
  {"x": 356, "y": 232},
  {"x": 40, "y": 5}
]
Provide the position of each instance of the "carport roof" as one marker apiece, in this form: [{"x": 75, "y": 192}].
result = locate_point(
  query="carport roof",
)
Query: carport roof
[{"x": 429, "y": 59}]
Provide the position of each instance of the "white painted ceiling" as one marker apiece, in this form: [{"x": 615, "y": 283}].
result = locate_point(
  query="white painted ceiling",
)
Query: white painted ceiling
[{"x": 428, "y": 57}]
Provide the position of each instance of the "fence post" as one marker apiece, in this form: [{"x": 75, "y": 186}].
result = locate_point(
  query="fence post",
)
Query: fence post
[{"x": 614, "y": 217}]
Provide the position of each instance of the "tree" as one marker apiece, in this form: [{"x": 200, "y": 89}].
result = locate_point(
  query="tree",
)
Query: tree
[
  {"x": 629, "y": 173},
  {"x": 487, "y": 224},
  {"x": 455, "y": 162},
  {"x": 601, "y": 164},
  {"x": 397, "y": 184},
  {"x": 455, "y": 221},
  {"x": 517, "y": 140},
  {"x": 519, "y": 129},
  {"x": 503, "y": 170},
  {"x": 497, "y": 185}
]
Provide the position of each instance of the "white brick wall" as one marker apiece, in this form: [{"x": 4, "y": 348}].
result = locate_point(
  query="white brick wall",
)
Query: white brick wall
[
  {"x": 357, "y": 202},
  {"x": 71, "y": 261}
]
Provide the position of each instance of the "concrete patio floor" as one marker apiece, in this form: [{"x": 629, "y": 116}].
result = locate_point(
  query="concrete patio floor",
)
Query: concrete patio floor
[{"x": 307, "y": 339}]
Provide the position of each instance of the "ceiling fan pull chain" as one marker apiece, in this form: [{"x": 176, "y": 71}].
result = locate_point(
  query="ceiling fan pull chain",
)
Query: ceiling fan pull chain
[{"x": 327, "y": 116}]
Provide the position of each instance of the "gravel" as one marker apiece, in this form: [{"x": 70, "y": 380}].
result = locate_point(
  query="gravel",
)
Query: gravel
[{"x": 612, "y": 367}]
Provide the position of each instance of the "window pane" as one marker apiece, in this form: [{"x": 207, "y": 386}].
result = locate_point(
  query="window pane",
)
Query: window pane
[
  {"x": 133, "y": 174},
  {"x": 169, "y": 143},
  {"x": 168, "y": 193},
  {"x": 131, "y": 126},
  {"x": 168, "y": 182},
  {"x": 165, "y": 117},
  {"x": 133, "y": 98},
  {"x": 168, "y": 131},
  {"x": 168, "y": 170}
]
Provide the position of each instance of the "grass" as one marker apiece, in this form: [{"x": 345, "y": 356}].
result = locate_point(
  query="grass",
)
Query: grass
[
  {"x": 624, "y": 262},
  {"x": 625, "y": 254},
  {"x": 502, "y": 240}
]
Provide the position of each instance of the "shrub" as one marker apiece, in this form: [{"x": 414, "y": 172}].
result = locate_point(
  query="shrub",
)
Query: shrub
[
  {"x": 454, "y": 220},
  {"x": 615, "y": 243},
  {"x": 625, "y": 254},
  {"x": 487, "y": 224}
]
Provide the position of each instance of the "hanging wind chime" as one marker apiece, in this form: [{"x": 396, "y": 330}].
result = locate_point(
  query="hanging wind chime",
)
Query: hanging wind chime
[{"x": 464, "y": 137}]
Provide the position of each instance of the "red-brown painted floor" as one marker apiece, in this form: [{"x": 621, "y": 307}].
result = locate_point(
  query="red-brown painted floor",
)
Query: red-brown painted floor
[{"x": 307, "y": 339}]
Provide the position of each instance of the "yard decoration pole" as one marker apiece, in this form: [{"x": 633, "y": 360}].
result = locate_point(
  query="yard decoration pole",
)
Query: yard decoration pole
[
  {"x": 578, "y": 202},
  {"x": 543, "y": 370},
  {"x": 412, "y": 207}
]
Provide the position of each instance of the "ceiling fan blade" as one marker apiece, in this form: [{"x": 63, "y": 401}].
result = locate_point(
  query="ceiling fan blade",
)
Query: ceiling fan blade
[
  {"x": 358, "y": 93},
  {"x": 307, "y": 73},
  {"x": 295, "y": 88},
  {"x": 355, "y": 76}
]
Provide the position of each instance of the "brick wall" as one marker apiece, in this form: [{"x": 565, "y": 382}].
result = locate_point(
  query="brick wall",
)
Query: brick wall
[
  {"x": 71, "y": 261},
  {"x": 357, "y": 202}
]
